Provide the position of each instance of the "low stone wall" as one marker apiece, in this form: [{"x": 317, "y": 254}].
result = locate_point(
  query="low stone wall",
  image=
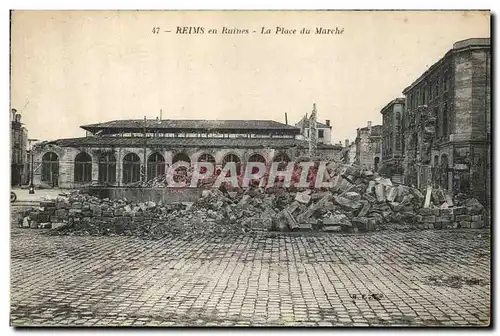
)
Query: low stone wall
[{"x": 164, "y": 195}]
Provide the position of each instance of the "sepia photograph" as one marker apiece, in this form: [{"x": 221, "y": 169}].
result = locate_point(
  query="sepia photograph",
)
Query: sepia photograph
[{"x": 224, "y": 168}]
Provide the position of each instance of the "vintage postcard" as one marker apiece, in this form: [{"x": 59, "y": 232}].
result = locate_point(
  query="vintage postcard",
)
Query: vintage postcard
[{"x": 250, "y": 168}]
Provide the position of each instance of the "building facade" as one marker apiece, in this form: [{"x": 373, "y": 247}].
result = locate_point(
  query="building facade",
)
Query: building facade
[
  {"x": 123, "y": 152},
  {"x": 323, "y": 131},
  {"x": 18, "y": 150},
  {"x": 369, "y": 146},
  {"x": 392, "y": 138},
  {"x": 446, "y": 124}
]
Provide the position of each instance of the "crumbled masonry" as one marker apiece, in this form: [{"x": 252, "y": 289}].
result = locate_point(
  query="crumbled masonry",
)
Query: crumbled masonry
[{"x": 359, "y": 201}]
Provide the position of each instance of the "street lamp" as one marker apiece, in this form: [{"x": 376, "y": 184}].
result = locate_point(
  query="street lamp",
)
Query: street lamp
[{"x": 32, "y": 186}]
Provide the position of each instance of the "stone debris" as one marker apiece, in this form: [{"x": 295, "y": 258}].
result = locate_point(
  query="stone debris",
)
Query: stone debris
[{"x": 359, "y": 200}]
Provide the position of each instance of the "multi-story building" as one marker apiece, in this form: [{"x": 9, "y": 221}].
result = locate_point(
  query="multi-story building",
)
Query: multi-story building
[
  {"x": 323, "y": 131},
  {"x": 369, "y": 146},
  {"x": 19, "y": 141},
  {"x": 116, "y": 152},
  {"x": 446, "y": 124},
  {"x": 392, "y": 140}
]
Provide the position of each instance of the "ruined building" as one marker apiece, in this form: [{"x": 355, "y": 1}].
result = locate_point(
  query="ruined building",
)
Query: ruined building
[
  {"x": 369, "y": 146},
  {"x": 392, "y": 139},
  {"x": 122, "y": 152},
  {"x": 446, "y": 123},
  {"x": 18, "y": 150}
]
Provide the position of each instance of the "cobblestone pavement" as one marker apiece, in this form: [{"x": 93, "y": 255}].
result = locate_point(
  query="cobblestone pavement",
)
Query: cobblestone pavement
[{"x": 426, "y": 278}]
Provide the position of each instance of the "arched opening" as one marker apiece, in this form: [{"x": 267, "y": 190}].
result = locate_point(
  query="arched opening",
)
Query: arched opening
[
  {"x": 181, "y": 173},
  {"x": 376, "y": 162},
  {"x": 107, "y": 168},
  {"x": 205, "y": 157},
  {"x": 156, "y": 166},
  {"x": 436, "y": 161},
  {"x": 83, "y": 167},
  {"x": 232, "y": 158},
  {"x": 131, "y": 168},
  {"x": 256, "y": 158},
  {"x": 50, "y": 168}
]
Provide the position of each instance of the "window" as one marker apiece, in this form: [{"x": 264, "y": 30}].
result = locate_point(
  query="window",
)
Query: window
[
  {"x": 205, "y": 157},
  {"x": 83, "y": 167},
  {"x": 156, "y": 166},
  {"x": 107, "y": 168},
  {"x": 50, "y": 168},
  {"x": 321, "y": 133},
  {"x": 131, "y": 168}
]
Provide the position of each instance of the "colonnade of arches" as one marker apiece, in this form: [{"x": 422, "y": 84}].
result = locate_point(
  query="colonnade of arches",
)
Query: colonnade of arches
[{"x": 131, "y": 165}]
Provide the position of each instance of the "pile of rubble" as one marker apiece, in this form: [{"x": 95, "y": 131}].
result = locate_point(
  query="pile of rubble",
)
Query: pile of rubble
[{"x": 359, "y": 200}]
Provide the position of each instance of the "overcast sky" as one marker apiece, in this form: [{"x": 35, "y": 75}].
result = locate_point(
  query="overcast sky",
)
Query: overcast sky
[{"x": 79, "y": 68}]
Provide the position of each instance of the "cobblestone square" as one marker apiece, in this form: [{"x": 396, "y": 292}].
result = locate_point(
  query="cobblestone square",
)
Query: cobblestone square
[{"x": 417, "y": 278}]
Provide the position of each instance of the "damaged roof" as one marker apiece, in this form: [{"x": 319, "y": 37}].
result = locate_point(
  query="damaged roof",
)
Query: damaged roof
[
  {"x": 187, "y": 124},
  {"x": 109, "y": 141}
]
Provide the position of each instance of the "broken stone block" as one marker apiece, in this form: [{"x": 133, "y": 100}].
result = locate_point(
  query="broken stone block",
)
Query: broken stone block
[
  {"x": 292, "y": 223},
  {"x": 329, "y": 206},
  {"x": 76, "y": 205},
  {"x": 371, "y": 225},
  {"x": 391, "y": 194},
  {"x": 364, "y": 209},
  {"x": 476, "y": 218},
  {"x": 396, "y": 207},
  {"x": 319, "y": 195},
  {"x": 427, "y": 201},
  {"x": 387, "y": 216},
  {"x": 58, "y": 225},
  {"x": 475, "y": 208},
  {"x": 380, "y": 192},
  {"x": 460, "y": 210},
  {"x": 352, "y": 196},
  {"x": 427, "y": 211},
  {"x": 244, "y": 200},
  {"x": 465, "y": 224},
  {"x": 438, "y": 196},
  {"x": 339, "y": 219},
  {"x": 369, "y": 198},
  {"x": 347, "y": 203},
  {"x": 332, "y": 228},
  {"x": 305, "y": 226},
  {"x": 385, "y": 182},
  {"x": 428, "y": 219},
  {"x": 378, "y": 218},
  {"x": 367, "y": 173},
  {"x": 397, "y": 217},
  {"x": 303, "y": 197},
  {"x": 370, "y": 188},
  {"x": 461, "y": 218},
  {"x": 477, "y": 224},
  {"x": 360, "y": 221}
]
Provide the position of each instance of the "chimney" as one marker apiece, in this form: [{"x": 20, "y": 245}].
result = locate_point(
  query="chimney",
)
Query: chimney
[
  {"x": 327, "y": 122},
  {"x": 286, "y": 119},
  {"x": 369, "y": 124},
  {"x": 347, "y": 142}
]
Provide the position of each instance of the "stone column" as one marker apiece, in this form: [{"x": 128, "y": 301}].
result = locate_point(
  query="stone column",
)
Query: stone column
[{"x": 119, "y": 167}]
